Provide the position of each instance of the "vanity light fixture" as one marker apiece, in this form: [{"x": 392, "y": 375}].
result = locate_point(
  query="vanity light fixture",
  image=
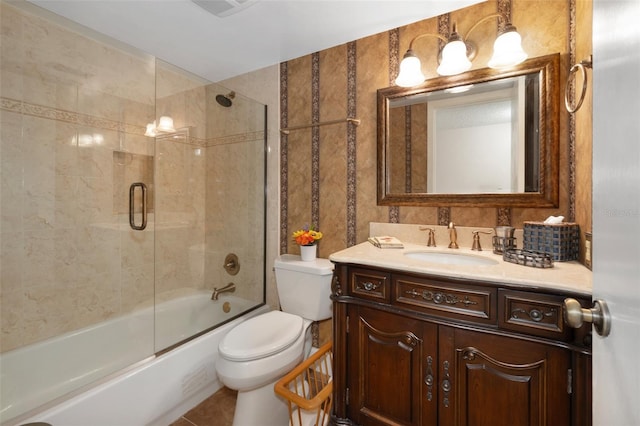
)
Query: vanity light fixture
[
  {"x": 458, "y": 52},
  {"x": 455, "y": 58},
  {"x": 410, "y": 68}
]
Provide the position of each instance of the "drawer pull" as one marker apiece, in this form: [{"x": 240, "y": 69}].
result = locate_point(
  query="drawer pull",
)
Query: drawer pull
[
  {"x": 446, "y": 384},
  {"x": 368, "y": 286},
  {"x": 535, "y": 314},
  {"x": 440, "y": 298},
  {"x": 428, "y": 379}
]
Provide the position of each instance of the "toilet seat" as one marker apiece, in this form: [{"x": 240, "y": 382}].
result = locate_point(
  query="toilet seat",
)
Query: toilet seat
[{"x": 261, "y": 336}]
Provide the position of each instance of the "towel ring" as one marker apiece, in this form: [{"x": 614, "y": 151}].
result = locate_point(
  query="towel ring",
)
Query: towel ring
[{"x": 581, "y": 66}]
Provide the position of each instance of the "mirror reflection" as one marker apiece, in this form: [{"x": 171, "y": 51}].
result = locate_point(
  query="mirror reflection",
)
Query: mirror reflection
[
  {"x": 485, "y": 135},
  {"x": 452, "y": 137}
]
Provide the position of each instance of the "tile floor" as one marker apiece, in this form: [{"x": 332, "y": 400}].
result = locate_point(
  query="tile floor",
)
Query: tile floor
[{"x": 217, "y": 410}]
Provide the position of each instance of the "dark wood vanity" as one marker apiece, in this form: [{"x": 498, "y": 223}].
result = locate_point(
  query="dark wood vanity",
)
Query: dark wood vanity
[{"x": 421, "y": 349}]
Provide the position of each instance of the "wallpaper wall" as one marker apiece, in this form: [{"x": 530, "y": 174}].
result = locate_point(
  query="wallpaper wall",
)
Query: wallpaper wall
[{"x": 328, "y": 173}]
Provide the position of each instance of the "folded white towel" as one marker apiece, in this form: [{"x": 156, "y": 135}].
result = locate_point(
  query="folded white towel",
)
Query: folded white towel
[{"x": 386, "y": 242}]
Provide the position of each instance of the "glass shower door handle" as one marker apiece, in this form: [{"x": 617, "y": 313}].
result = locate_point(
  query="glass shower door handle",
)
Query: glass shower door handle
[{"x": 132, "y": 191}]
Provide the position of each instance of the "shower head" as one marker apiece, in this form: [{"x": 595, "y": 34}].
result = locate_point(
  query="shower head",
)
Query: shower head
[{"x": 225, "y": 101}]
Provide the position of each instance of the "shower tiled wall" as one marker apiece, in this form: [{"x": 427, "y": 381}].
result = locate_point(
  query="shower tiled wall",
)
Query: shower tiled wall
[
  {"x": 73, "y": 111},
  {"x": 68, "y": 104}
]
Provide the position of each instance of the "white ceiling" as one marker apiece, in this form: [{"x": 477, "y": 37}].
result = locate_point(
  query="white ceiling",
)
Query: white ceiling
[{"x": 265, "y": 33}]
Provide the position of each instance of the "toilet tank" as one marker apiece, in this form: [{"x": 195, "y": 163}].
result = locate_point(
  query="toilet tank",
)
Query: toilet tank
[{"x": 304, "y": 288}]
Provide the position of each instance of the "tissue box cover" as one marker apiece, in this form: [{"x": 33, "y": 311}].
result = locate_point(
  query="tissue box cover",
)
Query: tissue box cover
[{"x": 561, "y": 240}]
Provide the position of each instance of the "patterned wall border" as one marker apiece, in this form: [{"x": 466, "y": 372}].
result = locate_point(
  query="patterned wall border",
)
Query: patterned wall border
[
  {"x": 503, "y": 216},
  {"x": 444, "y": 216},
  {"x": 80, "y": 119},
  {"x": 351, "y": 145},
  {"x": 572, "y": 118},
  {"x": 394, "y": 66},
  {"x": 444, "y": 29},
  {"x": 504, "y": 7},
  {"x": 284, "y": 160},
  {"x": 231, "y": 139},
  {"x": 315, "y": 139},
  {"x": 41, "y": 111},
  {"x": 407, "y": 149}
]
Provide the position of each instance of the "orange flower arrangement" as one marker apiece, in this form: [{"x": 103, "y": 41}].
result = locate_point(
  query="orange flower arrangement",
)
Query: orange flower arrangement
[{"x": 307, "y": 236}]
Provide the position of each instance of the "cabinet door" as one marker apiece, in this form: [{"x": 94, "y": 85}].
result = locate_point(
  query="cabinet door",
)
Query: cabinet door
[
  {"x": 391, "y": 368},
  {"x": 488, "y": 380}
]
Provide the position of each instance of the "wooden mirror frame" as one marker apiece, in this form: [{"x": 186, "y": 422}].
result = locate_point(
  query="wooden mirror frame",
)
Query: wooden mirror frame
[{"x": 548, "y": 68}]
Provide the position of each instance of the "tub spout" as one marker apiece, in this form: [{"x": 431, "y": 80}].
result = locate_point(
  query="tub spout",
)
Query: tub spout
[{"x": 229, "y": 288}]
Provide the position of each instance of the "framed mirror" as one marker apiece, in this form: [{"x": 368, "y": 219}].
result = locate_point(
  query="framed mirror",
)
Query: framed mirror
[{"x": 483, "y": 138}]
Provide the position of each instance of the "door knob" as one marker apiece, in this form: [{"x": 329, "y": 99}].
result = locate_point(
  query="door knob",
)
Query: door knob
[{"x": 575, "y": 315}]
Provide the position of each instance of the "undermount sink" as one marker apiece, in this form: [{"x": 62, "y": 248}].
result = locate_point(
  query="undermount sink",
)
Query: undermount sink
[{"x": 450, "y": 258}]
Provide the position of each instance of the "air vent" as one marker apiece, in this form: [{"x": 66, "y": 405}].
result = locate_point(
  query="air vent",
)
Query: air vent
[{"x": 223, "y": 8}]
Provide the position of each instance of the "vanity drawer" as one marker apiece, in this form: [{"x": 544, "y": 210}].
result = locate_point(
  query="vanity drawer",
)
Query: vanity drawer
[
  {"x": 368, "y": 284},
  {"x": 532, "y": 313},
  {"x": 445, "y": 299}
]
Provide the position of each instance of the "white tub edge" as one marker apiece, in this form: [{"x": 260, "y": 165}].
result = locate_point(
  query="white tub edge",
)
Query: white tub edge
[{"x": 181, "y": 379}]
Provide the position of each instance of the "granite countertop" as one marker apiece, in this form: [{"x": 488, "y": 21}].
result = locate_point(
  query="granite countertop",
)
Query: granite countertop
[{"x": 572, "y": 276}]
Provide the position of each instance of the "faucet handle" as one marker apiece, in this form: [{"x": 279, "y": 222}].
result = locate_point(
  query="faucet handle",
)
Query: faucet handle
[
  {"x": 476, "y": 239},
  {"x": 431, "y": 242}
]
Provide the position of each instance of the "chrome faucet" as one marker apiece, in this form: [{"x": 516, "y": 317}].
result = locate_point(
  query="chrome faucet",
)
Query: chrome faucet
[
  {"x": 453, "y": 236},
  {"x": 229, "y": 288}
]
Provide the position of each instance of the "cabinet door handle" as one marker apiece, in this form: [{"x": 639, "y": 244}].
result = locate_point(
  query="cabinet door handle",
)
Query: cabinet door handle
[
  {"x": 132, "y": 190},
  {"x": 428, "y": 379},
  {"x": 446, "y": 384}
]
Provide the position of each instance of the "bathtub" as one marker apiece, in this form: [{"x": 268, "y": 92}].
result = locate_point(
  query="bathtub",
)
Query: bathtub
[{"x": 151, "y": 391}]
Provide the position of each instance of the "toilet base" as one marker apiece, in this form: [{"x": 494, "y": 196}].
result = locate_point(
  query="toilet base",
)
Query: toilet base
[{"x": 262, "y": 407}]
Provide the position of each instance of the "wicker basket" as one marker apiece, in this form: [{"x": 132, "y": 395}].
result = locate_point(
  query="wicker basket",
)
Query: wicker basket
[
  {"x": 528, "y": 258},
  {"x": 308, "y": 389},
  {"x": 561, "y": 241}
]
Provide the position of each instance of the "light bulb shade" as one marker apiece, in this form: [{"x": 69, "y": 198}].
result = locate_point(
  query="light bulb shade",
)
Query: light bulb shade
[
  {"x": 410, "y": 71},
  {"x": 165, "y": 124},
  {"x": 507, "y": 50},
  {"x": 454, "y": 58}
]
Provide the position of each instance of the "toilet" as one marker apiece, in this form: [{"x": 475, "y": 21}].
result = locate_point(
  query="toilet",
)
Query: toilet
[{"x": 255, "y": 354}]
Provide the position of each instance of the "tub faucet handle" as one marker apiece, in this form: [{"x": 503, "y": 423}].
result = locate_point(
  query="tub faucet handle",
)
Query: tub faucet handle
[
  {"x": 231, "y": 264},
  {"x": 431, "y": 241}
]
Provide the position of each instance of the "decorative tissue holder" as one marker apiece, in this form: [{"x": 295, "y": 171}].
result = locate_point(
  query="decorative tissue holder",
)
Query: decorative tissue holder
[{"x": 560, "y": 240}]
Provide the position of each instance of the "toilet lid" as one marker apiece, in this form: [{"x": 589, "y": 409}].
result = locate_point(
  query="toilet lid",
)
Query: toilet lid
[{"x": 261, "y": 336}]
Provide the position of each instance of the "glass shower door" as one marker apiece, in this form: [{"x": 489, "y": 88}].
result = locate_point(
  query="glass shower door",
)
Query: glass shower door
[
  {"x": 209, "y": 208},
  {"x": 77, "y": 282}
]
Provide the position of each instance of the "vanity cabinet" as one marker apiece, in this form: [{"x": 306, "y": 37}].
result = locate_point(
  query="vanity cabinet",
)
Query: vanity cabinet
[{"x": 411, "y": 349}]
